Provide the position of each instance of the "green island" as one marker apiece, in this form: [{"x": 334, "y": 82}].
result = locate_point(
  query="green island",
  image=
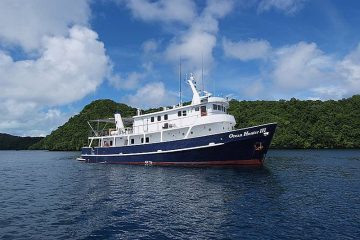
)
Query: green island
[
  {"x": 10, "y": 142},
  {"x": 302, "y": 124}
]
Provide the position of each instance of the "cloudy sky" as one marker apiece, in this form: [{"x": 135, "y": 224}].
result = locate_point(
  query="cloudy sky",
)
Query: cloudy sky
[{"x": 56, "y": 56}]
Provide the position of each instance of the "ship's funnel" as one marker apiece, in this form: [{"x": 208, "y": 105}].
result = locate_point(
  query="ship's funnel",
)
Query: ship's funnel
[{"x": 118, "y": 121}]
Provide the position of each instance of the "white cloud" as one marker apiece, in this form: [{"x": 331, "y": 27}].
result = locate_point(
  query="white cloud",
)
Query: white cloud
[
  {"x": 150, "y": 46},
  {"x": 301, "y": 66},
  {"x": 29, "y": 119},
  {"x": 196, "y": 44},
  {"x": 182, "y": 11},
  {"x": 25, "y": 23},
  {"x": 67, "y": 62},
  {"x": 132, "y": 80},
  {"x": 302, "y": 70},
  {"x": 151, "y": 95},
  {"x": 288, "y": 6},
  {"x": 349, "y": 69},
  {"x": 193, "y": 48},
  {"x": 246, "y": 50},
  {"x": 68, "y": 69}
]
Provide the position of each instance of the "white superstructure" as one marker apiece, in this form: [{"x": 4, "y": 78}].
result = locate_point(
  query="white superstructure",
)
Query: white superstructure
[{"x": 206, "y": 115}]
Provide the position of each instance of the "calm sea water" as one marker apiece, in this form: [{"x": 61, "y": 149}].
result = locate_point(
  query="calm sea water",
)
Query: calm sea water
[{"x": 306, "y": 194}]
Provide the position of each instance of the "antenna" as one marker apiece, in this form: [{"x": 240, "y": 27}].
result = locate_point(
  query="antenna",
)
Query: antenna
[
  {"x": 180, "y": 97},
  {"x": 202, "y": 71},
  {"x": 214, "y": 86}
]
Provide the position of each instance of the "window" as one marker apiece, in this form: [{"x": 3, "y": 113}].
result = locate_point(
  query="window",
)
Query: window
[
  {"x": 197, "y": 109},
  {"x": 159, "y": 118},
  {"x": 142, "y": 140},
  {"x": 184, "y": 113},
  {"x": 179, "y": 113},
  {"x": 152, "y": 119},
  {"x": 224, "y": 109},
  {"x": 214, "y": 106},
  {"x": 132, "y": 141},
  {"x": 147, "y": 139},
  {"x": 165, "y": 117},
  {"x": 203, "y": 111}
]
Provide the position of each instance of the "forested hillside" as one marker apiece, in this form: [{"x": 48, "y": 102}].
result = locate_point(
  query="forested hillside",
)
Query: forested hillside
[
  {"x": 10, "y": 142},
  {"x": 301, "y": 124},
  {"x": 73, "y": 134},
  {"x": 305, "y": 124}
]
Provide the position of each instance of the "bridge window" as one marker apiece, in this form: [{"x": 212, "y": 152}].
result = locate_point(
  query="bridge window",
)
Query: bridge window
[
  {"x": 165, "y": 117},
  {"x": 152, "y": 119}
]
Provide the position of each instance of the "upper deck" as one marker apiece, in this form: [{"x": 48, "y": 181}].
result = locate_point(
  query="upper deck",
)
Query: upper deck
[{"x": 213, "y": 109}]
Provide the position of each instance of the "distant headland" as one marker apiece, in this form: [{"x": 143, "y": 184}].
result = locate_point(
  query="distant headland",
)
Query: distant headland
[{"x": 10, "y": 142}]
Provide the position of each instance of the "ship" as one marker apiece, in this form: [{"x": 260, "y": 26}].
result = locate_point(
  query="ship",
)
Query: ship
[{"x": 201, "y": 133}]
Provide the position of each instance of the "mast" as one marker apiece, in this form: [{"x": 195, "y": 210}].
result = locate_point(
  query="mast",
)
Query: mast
[
  {"x": 202, "y": 71},
  {"x": 180, "y": 97}
]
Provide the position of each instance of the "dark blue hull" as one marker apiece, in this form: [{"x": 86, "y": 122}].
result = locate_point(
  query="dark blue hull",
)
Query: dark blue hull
[{"x": 246, "y": 146}]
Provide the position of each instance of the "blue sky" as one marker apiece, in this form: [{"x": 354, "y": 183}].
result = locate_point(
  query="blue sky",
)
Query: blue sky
[{"x": 58, "y": 56}]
